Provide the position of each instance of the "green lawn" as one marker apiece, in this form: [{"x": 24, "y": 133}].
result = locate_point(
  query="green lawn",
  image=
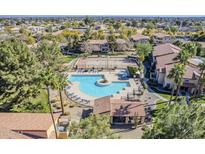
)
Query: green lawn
[
  {"x": 41, "y": 98},
  {"x": 166, "y": 96},
  {"x": 68, "y": 58},
  {"x": 38, "y": 104}
]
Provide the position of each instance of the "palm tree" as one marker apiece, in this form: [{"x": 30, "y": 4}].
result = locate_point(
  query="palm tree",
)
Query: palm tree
[
  {"x": 61, "y": 85},
  {"x": 112, "y": 42},
  {"x": 191, "y": 48},
  {"x": 200, "y": 82},
  {"x": 183, "y": 56},
  {"x": 176, "y": 73},
  {"x": 49, "y": 80}
]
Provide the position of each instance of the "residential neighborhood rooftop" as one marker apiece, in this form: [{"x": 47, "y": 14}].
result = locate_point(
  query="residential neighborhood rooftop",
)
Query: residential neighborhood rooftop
[{"x": 165, "y": 49}]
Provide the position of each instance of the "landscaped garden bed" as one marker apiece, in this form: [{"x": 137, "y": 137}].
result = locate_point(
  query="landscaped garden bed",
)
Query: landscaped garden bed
[{"x": 132, "y": 71}]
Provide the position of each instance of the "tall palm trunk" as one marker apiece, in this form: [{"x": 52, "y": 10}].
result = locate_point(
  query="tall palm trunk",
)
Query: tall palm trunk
[
  {"x": 51, "y": 112},
  {"x": 198, "y": 85},
  {"x": 172, "y": 94},
  {"x": 177, "y": 91},
  {"x": 201, "y": 86},
  {"x": 61, "y": 100}
]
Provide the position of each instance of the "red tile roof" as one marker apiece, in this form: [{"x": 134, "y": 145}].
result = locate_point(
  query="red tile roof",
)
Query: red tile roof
[
  {"x": 118, "y": 107},
  {"x": 164, "y": 49},
  {"x": 6, "y": 133},
  {"x": 120, "y": 41},
  {"x": 102, "y": 105},
  {"x": 26, "y": 121},
  {"x": 138, "y": 37},
  {"x": 127, "y": 109},
  {"x": 164, "y": 60},
  {"x": 189, "y": 71}
]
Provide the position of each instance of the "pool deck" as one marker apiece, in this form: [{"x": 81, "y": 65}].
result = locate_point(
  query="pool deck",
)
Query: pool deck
[{"x": 110, "y": 76}]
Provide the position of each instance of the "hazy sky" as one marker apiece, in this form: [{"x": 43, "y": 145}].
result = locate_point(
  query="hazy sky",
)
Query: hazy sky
[{"x": 102, "y": 7}]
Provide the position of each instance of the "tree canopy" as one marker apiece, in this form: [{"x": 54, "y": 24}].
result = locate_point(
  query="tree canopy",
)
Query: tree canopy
[
  {"x": 143, "y": 50},
  {"x": 19, "y": 74},
  {"x": 93, "y": 127},
  {"x": 178, "y": 120}
]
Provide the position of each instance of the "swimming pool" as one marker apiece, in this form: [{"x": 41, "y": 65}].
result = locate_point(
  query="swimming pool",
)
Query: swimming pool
[{"x": 88, "y": 86}]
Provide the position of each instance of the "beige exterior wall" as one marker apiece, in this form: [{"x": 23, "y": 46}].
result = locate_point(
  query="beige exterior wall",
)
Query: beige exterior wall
[
  {"x": 168, "y": 81},
  {"x": 160, "y": 77},
  {"x": 63, "y": 135},
  {"x": 50, "y": 129}
]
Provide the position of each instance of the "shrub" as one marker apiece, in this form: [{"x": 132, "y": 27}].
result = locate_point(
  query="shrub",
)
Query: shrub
[
  {"x": 66, "y": 113},
  {"x": 58, "y": 107},
  {"x": 132, "y": 71},
  {"x": 53, "y": 101},
  {"x": 71, "y": 106}
]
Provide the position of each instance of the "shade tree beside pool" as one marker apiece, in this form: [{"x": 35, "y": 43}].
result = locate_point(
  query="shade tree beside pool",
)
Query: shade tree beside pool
[{"x": 89, "y": 87}]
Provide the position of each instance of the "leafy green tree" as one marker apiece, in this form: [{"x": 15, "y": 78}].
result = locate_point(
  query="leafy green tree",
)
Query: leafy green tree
[
  {"x": 87, "y": 21},
  {"x": 98, "y": 35},
  {"x": 37, "y": 107},
  {"x": 87, "y": 35},
  {"x": 93, "y": 127},
  {"x": 178, "y": 120},
  {"x": 112, "y": 42},
  {"x": 30, "y": 40},
  {"x": 143, "y": 50},
  {"x": 199, "y": 50},
  {"x": 147, "y": 32},
  {"x": 191, "y": 47},
  {"x": 150, "y": 25},
  {"x": 176, "y": 73},
  {"x": 171, "y": 29},
  {"x": 117, "y": 25},
  {"x": 178, "y": 43},
  {"x": 23, "y": 31},
  {"x": 73, "y": 38},
  {"x": 19, "y": 75}
]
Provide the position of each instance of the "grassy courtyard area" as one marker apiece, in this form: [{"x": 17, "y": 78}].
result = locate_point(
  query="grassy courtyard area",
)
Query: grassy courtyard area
[
  {"x": 38, "y": 104},
  {"x": 68, "y": 58},
  {"x": 164, "y": 95}
]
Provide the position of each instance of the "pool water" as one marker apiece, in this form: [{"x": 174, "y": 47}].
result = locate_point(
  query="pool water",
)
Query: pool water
[{"x": 88, "y": 86}]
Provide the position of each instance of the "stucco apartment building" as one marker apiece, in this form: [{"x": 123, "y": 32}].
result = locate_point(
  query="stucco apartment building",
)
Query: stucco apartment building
[
  {"x": 26, "y": 125},
  {"x": 164, "y": 59}
]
